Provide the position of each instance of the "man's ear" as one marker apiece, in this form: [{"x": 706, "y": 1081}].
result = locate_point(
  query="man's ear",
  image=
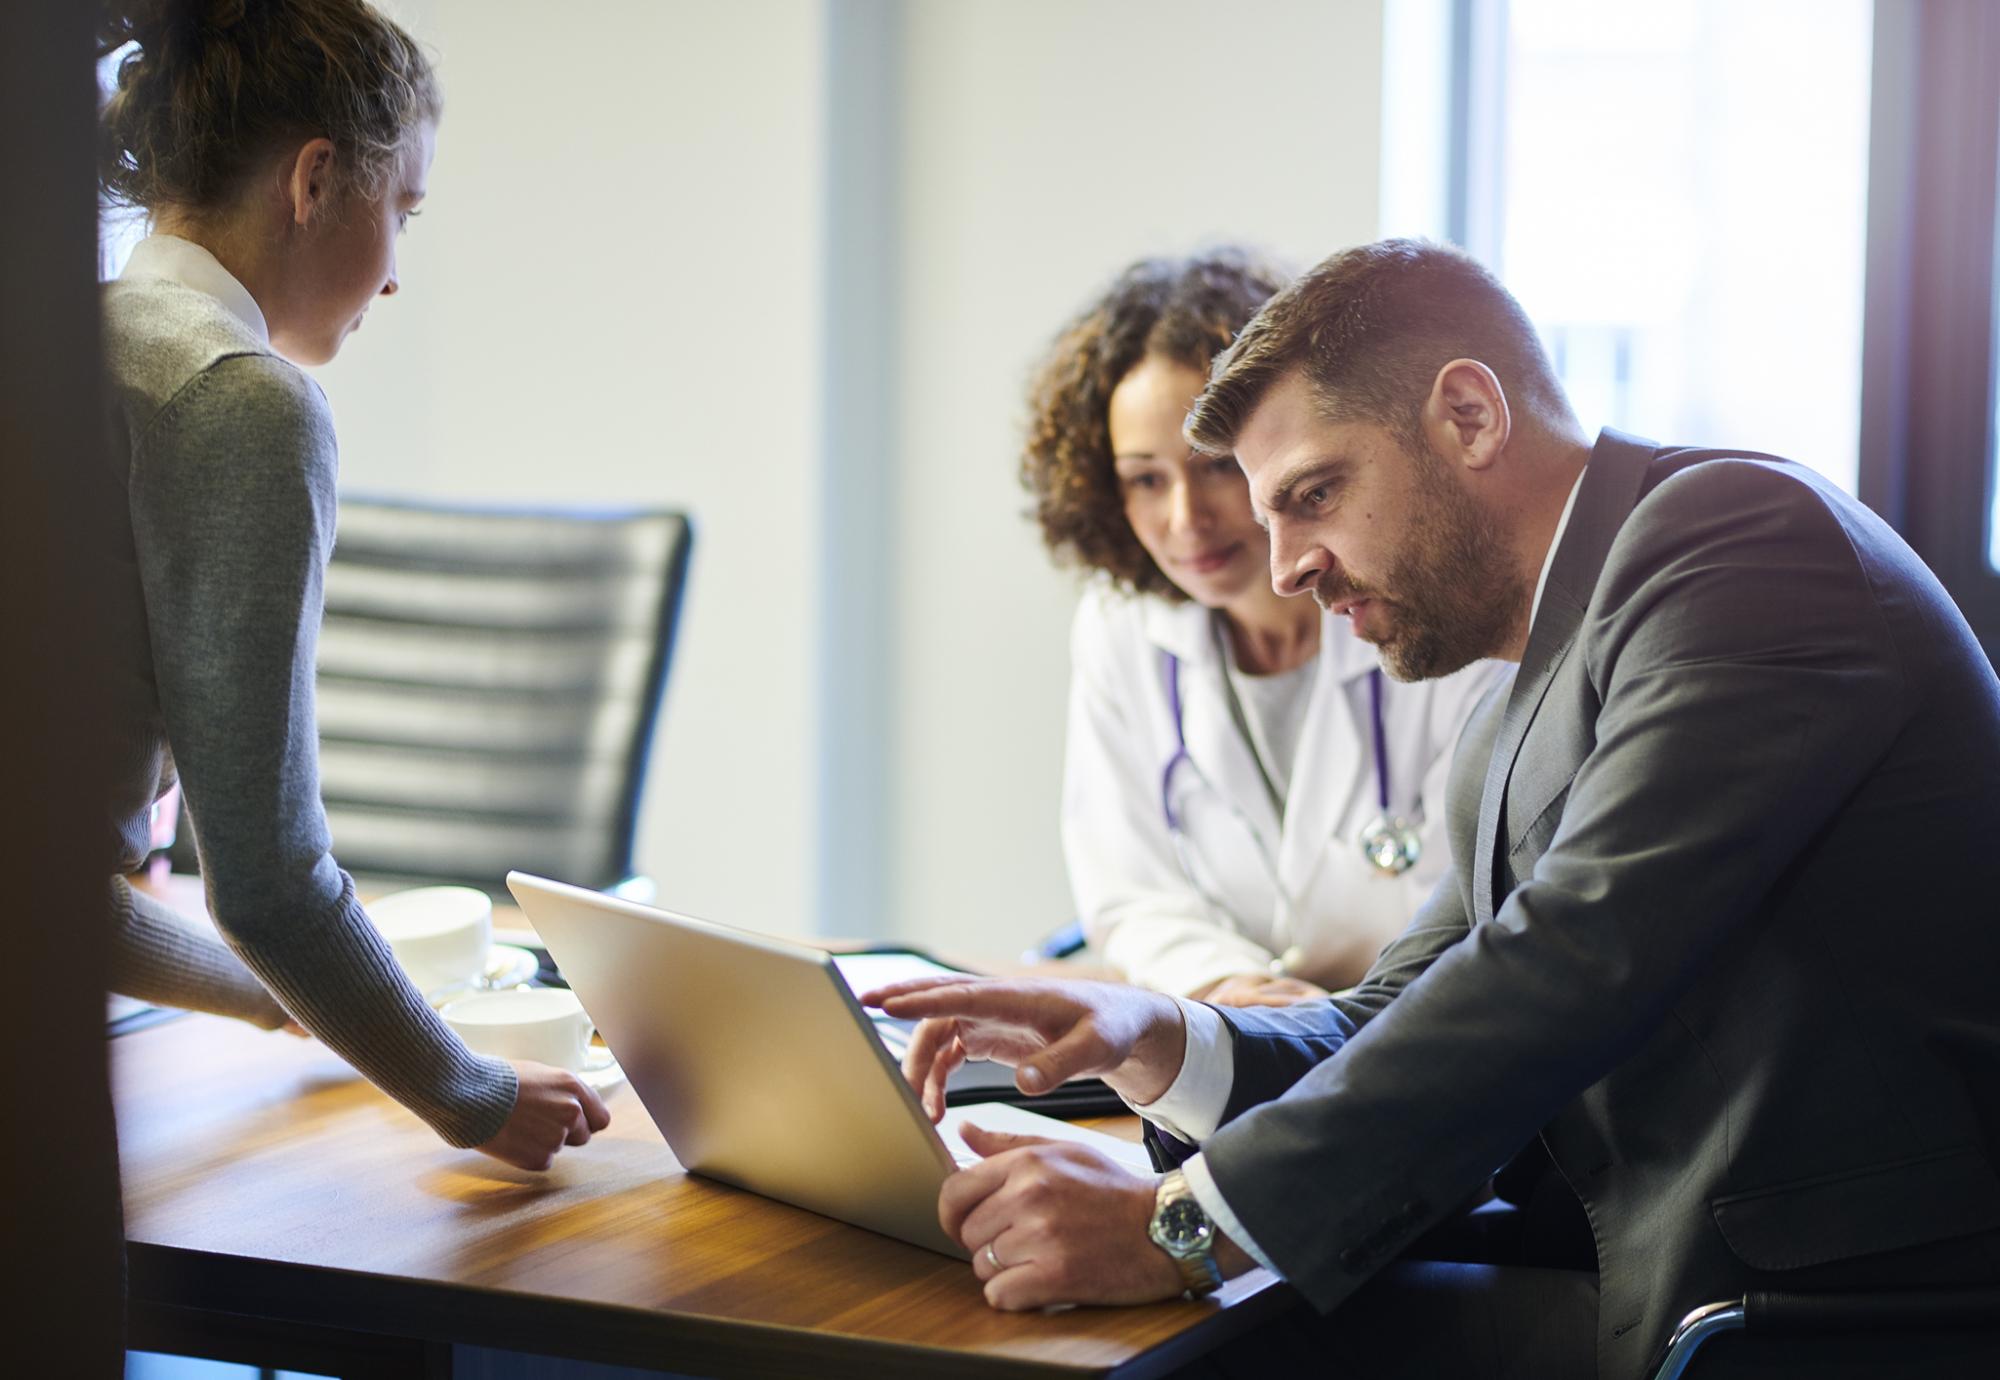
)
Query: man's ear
[
  {"x": 1466, "y": 417},
  {"x": 308, "y": 183}
]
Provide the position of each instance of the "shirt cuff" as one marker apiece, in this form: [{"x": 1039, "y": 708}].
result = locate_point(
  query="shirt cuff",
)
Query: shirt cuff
[
  {"x": 1192, "y": 1106},
  {"x": 1202, "y": 1184}
]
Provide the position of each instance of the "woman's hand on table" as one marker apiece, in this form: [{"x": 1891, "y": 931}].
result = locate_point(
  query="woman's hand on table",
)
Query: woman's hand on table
[
  {"x": 554, "y": 1108},
  {"x": 1258, "y": 989}
]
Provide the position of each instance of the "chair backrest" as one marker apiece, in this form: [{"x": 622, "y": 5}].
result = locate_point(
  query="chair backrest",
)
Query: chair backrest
[{"x": 488, "y": 686}]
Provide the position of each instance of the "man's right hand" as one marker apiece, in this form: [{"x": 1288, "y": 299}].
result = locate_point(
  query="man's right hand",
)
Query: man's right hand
[
  {"x": 554, "y": 1108},
  {"x": 1048, "y": 1031}
]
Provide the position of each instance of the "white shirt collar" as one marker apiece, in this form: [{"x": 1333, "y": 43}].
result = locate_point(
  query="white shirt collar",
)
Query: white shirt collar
[
  {"x": 187, "y": 263},
  {"x": 1555, "y": 543}
]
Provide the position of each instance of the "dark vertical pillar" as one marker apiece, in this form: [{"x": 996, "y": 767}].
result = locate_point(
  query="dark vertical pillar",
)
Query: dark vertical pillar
[{"x": 60, "y": 1233}]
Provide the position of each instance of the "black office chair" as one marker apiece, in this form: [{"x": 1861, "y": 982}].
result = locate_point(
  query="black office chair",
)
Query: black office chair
[
  {"x": 1798, "y": 1315},
  {"x": 489, "y": 681}
]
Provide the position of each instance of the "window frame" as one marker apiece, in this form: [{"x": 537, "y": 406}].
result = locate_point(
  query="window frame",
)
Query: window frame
[{"x": 1927, "y": 384}]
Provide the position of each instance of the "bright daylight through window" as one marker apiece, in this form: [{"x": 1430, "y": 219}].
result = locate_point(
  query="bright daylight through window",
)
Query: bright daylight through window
[{"x": 1677, "y": 192}]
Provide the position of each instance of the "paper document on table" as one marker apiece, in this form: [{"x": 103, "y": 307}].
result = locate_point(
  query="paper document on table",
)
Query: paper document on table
[
  {"x": 998, "y": 1116},
  {"x": 864, "y": 971}
]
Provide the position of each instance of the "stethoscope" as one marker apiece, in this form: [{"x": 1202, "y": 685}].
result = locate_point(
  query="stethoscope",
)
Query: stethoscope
[{"x": 1389, "y": 841}]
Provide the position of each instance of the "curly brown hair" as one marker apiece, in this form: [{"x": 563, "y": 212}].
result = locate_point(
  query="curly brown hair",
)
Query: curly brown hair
[
  {"x": 210, "y": 87},
  {"x": 1186, "y": 310}
]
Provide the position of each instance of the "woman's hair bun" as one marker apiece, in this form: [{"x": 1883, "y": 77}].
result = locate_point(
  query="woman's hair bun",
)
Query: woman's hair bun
[
  {"x": 208, "y": 87},
  {"x": 155, "y": 24}
]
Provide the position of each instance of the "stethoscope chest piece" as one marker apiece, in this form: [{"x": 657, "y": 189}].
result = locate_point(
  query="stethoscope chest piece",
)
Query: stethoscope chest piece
[
  {"x": 1389, "y": 841},
  {"x": 1392, "y": 844}
]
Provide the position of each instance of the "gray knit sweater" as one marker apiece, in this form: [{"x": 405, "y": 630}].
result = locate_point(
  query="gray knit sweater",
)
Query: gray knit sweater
[{"x": 223, "y": 462}]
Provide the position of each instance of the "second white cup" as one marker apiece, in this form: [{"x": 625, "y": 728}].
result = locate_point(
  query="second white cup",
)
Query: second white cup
[
  {"x": 440, "y": 934},
  {"x": 545, "y": 1024}
]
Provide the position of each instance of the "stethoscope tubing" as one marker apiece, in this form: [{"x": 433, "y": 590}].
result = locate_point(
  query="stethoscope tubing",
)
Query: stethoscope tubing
[
  {"x": 1388, "y": 837},
  {"x": 1379, "y": 738}
]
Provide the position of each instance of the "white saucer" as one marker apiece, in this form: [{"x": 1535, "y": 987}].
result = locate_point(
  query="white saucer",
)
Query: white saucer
[
  {"x": 604, "y": 1078},
  {"x": 508, "y": 966}
]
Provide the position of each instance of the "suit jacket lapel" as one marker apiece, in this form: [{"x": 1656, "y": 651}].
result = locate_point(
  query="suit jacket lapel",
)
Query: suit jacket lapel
[{"x": 1610, "y": 487}]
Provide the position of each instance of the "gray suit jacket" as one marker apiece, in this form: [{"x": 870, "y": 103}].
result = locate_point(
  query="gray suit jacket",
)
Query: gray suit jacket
[{"x": 1723, "y": 925}]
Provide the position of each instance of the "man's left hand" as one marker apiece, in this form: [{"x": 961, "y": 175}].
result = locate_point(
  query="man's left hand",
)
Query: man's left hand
[{"x": 1066, "y": 1222}]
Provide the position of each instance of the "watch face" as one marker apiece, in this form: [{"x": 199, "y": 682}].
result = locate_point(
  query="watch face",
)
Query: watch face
[{"x": 1183, "y": 1224}]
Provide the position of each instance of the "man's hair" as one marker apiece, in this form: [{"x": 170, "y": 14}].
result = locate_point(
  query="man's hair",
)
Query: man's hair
[
  {"x": 1185, "y": 310},
  {"x": 1370, "y": 328}
]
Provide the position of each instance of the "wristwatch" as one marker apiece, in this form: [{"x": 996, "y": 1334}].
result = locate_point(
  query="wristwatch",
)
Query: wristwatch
[{"x": 1181, "y": 1228}]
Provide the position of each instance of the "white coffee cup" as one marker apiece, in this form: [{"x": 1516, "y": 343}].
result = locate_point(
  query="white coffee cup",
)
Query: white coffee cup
[
  {"x": 545, "y": 1024},
  {"x": 440, "y": 934}
]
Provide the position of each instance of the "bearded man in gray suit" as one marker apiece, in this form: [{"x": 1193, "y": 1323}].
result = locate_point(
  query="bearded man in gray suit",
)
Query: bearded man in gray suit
[{"x": 1723, "y": 922}]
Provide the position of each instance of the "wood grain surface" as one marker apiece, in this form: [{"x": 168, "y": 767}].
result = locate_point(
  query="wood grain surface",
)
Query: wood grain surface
[{"x": 264, "y": 1177}]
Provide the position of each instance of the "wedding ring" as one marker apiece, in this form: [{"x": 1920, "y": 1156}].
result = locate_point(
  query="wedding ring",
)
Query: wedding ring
[{"x": 992, "y": 1259}]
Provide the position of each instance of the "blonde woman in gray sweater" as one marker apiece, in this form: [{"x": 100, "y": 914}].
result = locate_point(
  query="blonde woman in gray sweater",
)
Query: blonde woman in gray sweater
[{"x": 279, "y": 150}]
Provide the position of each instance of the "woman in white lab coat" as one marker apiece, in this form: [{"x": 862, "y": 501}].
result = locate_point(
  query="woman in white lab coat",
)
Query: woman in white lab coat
[{"x": 1251, "y": 810}]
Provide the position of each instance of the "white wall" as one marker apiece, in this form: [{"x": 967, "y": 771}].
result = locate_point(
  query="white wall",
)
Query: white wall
[
  {"x": 611, "y": 297},
  {"x": 1046, "y": 145},
  {"x": 616, "y": 294}
]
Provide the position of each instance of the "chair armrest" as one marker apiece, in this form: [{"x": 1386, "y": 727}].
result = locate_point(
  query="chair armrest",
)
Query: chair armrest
[{"x": 1882, "y": 1310}]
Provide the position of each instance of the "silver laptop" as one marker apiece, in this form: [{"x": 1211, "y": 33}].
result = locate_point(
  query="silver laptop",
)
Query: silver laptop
[{"x": 753, "y": 1058}]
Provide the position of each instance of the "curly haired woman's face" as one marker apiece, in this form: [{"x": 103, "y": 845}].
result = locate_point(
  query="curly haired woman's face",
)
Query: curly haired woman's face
[{"x": 1191, "y": 512}]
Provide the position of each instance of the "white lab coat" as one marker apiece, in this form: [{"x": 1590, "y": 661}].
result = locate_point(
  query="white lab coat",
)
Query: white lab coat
[{"x": 1138, "y": 906}]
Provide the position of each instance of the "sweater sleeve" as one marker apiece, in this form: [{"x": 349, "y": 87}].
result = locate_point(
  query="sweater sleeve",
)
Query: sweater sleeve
[
  {"x": 232, "y": 494},
  {"x": 159, "y": 956}
]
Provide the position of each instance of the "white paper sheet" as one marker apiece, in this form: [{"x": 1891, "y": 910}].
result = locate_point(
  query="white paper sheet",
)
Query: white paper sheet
[{"x": 998, "y": 1116}]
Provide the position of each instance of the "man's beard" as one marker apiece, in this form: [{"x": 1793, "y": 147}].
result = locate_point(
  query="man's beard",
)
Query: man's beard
[{"x": 1451, "y": 595}]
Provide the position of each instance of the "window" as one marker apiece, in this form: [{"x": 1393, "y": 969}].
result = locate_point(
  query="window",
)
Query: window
[
  {"x": 1768, "y": 225},
  {"x": 1680, "y": 201},
  {"x": 1929, "y": 408}
]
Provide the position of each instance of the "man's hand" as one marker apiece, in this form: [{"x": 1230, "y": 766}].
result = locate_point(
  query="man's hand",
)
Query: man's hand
[
  {"x": 1066, "y": 1223},
  {"x": 1047, "y": 1031},
  {"x": 554, "y": 1108},
  {"x": 1259, "y": 989}
]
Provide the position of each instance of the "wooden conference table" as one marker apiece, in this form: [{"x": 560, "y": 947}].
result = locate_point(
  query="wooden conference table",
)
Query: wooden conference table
[{"x": 282, "y": 1211}]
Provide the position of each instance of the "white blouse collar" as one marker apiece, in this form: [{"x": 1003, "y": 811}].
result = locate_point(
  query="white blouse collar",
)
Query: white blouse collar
[{"x": 187, "y": 263}]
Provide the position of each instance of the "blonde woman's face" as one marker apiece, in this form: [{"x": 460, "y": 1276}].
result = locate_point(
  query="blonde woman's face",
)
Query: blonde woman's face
[
  {"x": 1191, "y": 512},
  {"x": 347, "y": 258}
]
